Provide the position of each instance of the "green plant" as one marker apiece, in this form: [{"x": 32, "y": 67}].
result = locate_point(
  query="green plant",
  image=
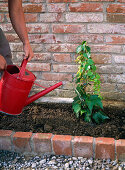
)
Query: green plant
[{"x": 88, "y": 105}]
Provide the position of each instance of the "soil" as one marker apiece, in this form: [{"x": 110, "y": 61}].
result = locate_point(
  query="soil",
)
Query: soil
[{"x": 60, "y": 119}]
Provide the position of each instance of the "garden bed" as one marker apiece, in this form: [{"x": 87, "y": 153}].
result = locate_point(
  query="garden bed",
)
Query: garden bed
[{"x": 60, "y": 119}]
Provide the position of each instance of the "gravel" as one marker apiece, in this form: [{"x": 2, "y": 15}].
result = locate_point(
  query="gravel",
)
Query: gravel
[{"x": 15, "y": 161}]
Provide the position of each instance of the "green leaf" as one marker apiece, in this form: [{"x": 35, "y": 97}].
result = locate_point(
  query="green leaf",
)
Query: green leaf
[
  {"x": 85, "y": 55},
  {"x": 84, "y": 42},
  {"x": 87, "y": 118},
  {"x": 90, "y": 104},
  {"x": 99, "y": 117},
  {"x": 90, "y": 61},
  {"x": 90, "y": 73},
  {"x": 79, "y": 49},
  {"x": 88, "y": 49},
  {"x": 76, "y": 107}
]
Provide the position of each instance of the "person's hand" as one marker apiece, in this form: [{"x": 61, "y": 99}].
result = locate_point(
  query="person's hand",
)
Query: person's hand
[
  {"x": 3, "y": 63},
  {"x": 28, "y": 51}
]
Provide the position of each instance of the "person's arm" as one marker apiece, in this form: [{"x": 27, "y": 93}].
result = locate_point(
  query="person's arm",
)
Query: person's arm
[{"x": 17, "y": 19}]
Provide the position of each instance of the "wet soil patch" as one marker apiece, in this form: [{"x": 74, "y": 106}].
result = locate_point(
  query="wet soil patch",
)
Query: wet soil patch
[{"x": 60, "y": 119}]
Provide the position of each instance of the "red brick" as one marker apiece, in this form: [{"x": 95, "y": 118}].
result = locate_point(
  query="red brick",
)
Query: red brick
[
  {"x": 90, "y": 38},
  {"x": 12, "y": 38},
  {"x": 42, "y": 142},
  {"x": 62, "y": 57},
  {"x": 106, "y": 48},
  {"x": 107, "y": 69},
  {"x": 36, "y": 1},
  {"x": 61, "y": 47},
  {"x": 122, "y": 1},
  {"x": 104, "y": 148},
  {"x": 83, "y": 146},
  {"x": 65, "y": 68},
  {"x": 57, "y": 76},
  {"x": 116, "y": 8},
  {"x": 3, "y": 7},
  {"x": 38, "y": 66},
  {"x": 21, "y": 141},
  {"x": 41, "y": 57},
  {"x": 116, "y": 18},
  {"x": 37, "y": 28},
  {"x": 98, "y": 0},
  {"x": 62, "y": 144},
  {"x": 106, "y": 28},
  {"x": 33, "y": 8},
  {"x": 5, "y": 139},
  {"x": 84, "y": 17},
  {"x": 101, "y": 58},
  {"x": 65, "y": 28},
  {"x": 106, "y": 87},
  {"x": 16, "y": 47},
  {"x": 30, "y": 17},
  {"x": 116, "y": 78},
  {"x": 45, "y": 38},
  {"x": 61, "y": 1},
  {"x": 86, "y": 7},
  {"x": 115, "y": 39},
  {"x": 120, "y": 149},
  {"x": 56, "y": 7},
  {"x": 51, "y": 17}
]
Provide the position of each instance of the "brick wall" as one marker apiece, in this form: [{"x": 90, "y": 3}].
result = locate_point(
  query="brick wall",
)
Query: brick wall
[{"x": 57, "y": 27}]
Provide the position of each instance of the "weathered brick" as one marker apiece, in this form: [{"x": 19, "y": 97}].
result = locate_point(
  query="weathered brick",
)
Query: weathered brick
[
  {"x": 116, "y": 18},
  {"x": 101, "y": 58},
  {"x": 98, "y": 0},
  {"x": 65, "y": 93},
  {"x": 4, "y": 7},
  {"x": 83, "y": 146},
  {"x": 16, "y": 47},
  {"x": 106, "y": 48},
  {"x": 37, "y": 28},
  {"x": 41, "y": 57},
  {"x": 90, "y": 38},
  {"x": 61, "y": 47},
  {"x": 51, "y": 17},
  {"x": 107, "y": 69},
  {"x": 66, "y": 28},
  {"x": 58, "y": 57},
  {"x": 62, "y": 144},
  {"x": 12, "y": 38},
  {"x": 121, "y": 87},
  {"x": 38, "y": 66},
  {"x": 106, "y": 87},
  {"x": 30, "y": 17},
  {"x": 116, "y": 78},
  {"x": 116, "y": 8},
  {"x": 117, "y": 96},
  {"x": 5, "y": 140},
  {"x": 122, "y": 1},
  {"x": 21, "y": 141},
  {"x": 57, "y": 76},
  {"x": 120, "y": 59},
  {"x": 6, "y": 28},
  {"x": 115, "y": 39},
  {"x": 33, "y": 8},
  {"x": 42, "y": 143},
  {"x": 65, "y": 68},
  {"x": 84, "y": 17},
  {"x": 86, "y": 7},
  {"x": 56, "y": 7},
  {"x": 36, "y": 1},
  {"x": 1, "y": 17},
  {"x": 120, "y": 149},
  {"x": 61, "y": 1},
  {"x": 105, "y": 148},
  {"x": 106, "y": 28},
  {"x": 45, "y": 38}
]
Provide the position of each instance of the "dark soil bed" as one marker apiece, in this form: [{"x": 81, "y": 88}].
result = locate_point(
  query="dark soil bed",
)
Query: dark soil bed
[{"x": 60, "y": 119}]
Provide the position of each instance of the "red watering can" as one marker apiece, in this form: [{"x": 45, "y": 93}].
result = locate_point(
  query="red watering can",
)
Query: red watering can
[{"x": 15, "y": 86}]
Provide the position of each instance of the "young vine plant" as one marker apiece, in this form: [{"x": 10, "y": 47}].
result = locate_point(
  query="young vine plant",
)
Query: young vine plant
[{"x": 87, "y": 105}]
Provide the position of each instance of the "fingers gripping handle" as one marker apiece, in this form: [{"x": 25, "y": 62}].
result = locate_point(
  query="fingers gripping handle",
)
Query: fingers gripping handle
[{"x": 23, "y": 67}]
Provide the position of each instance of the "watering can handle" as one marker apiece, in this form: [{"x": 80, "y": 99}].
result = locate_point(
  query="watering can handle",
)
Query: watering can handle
[{"x": 23, "y": 67}]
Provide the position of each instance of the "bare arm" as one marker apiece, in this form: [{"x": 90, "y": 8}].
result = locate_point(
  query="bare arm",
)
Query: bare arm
[{"x": 17, "y": 18}]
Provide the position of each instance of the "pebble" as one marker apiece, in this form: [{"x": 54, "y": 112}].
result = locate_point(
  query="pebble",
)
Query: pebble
[{"x": 16, "y": 161}]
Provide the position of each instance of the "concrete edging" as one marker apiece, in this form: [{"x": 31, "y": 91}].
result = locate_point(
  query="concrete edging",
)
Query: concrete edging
[{"x": 47, "y": 143}]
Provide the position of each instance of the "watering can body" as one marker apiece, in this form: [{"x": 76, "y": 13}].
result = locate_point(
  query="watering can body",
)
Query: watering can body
[{"x": 15, "y": 88}]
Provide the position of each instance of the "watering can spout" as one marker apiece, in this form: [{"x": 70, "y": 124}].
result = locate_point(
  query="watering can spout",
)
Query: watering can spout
[{"x": 42, "y": 93}]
